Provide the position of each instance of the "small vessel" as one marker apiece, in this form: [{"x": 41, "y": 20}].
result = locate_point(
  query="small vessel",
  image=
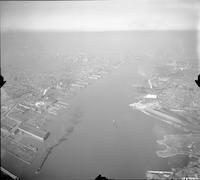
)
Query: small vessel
[{"x": 114, "y": 123}]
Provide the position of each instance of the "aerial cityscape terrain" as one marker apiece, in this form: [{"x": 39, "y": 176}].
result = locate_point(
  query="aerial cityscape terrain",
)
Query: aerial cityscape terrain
[
  {"x": 173, "y": 97},
  {"x": 100, "y": 90},
  {"x": 34, "y": 107}
]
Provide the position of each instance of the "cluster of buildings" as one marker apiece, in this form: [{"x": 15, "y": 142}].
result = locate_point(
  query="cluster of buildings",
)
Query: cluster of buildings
[
  {"x": 79, "y": 71},
  {"x": 172, "y": 98},
  {"x": 18, "y": 117},
  {"x": 22, "y": 132},
  {"x": 23, "y": 125},
  {"x": 33, "y": 96},
  {"x": 14, "y": 127}
]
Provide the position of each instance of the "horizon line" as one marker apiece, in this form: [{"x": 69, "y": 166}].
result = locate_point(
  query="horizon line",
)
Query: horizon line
[{"x": 85, "y": 31}]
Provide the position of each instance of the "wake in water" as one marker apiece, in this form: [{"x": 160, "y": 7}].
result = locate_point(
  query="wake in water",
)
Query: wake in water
[{"x": 75, "y": 119}]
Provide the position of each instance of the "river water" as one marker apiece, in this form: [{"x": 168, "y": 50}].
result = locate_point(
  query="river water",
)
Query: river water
[{"x": 110, "y": 139}]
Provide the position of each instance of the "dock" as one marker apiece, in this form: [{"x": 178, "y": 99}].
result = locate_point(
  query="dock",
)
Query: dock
[{"x": 11, "y": 175}]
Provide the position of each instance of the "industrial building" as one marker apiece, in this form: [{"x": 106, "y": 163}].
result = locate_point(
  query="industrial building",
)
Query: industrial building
[
  {"x": 7, "y": 124},
  {"x": 17, "y": 115},
  {"x": 33, "y": 131}
]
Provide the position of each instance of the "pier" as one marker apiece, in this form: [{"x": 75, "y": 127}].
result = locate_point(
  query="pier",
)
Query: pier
[{"x": 11, "y": 175}]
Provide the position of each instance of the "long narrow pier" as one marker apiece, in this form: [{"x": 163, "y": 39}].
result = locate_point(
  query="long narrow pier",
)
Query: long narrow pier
[{"x": 9, "y": 174}]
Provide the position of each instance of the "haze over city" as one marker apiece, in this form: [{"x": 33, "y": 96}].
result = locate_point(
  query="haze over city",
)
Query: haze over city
[
  {"x": 100, "y": 88},
  {"x": 99, "y": 15}
]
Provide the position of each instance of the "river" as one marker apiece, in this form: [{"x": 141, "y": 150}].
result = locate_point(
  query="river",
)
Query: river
[{"x": 110, "y": 139}]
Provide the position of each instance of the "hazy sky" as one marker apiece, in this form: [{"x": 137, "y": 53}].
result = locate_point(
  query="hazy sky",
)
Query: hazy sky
[{"x": 98, "y": 15}]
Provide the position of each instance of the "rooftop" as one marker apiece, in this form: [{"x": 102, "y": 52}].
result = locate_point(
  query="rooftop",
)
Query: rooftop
[{"x": 33, "y": 131}]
